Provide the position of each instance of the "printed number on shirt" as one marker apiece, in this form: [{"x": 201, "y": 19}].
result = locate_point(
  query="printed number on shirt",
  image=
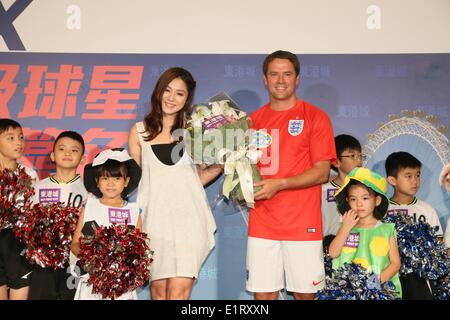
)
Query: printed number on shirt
[
  {"x": 421, "y": 218},
  {"x": 76, "y": 202}
]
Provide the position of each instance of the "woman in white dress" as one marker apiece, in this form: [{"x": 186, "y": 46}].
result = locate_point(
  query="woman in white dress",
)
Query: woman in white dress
[{"x": 175, "y": 210}]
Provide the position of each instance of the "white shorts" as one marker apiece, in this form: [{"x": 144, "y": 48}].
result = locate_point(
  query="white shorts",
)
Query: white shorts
[{"x": 272, "y": 262}]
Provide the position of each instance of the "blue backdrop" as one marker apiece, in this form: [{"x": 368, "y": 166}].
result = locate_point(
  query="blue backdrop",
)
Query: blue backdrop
[{"x": 102, "y": 95}]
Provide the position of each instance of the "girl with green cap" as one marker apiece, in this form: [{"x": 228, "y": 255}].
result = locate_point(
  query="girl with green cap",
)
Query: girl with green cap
[{"x": 363, "y": 238}]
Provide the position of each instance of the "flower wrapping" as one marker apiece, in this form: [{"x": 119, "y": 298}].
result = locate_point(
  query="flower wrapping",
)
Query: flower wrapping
[
  {"x": 219, "y": 134},
  {"x": 16, "y": 193},
  {"x": 117, "y": 259},
  {"x": 46, "y": 230}
]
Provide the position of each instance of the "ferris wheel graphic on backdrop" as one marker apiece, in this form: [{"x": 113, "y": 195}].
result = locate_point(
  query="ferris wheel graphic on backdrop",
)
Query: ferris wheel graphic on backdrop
[{"x": 422, "y": 136}]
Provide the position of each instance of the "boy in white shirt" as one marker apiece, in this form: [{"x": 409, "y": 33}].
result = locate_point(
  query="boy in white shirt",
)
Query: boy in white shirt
[
  {"x": 64, "y": 186},
  {"x": 14, "y": 270},
  {"x": 348, "y": 151},
  {"x": 403, "y": 173}
]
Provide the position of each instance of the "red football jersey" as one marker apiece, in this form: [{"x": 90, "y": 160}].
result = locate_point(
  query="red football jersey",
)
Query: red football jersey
[{"x": 292, "y": 141}]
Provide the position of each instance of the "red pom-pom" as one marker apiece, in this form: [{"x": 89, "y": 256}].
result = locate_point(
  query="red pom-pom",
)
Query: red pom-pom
[
  {"x": 117, "y": 259},
  {"x": 16, "y": 193},
  {"x": 46, "y": 230}
]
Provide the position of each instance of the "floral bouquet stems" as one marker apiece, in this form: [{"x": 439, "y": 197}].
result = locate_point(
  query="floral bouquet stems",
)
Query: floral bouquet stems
[{"x": 219, "y": 134}]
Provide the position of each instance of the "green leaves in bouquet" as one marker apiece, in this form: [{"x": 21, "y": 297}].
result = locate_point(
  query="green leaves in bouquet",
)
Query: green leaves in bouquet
[{"x": 205, "y": 144}]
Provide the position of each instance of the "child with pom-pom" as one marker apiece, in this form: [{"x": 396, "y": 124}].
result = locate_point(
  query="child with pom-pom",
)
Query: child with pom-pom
[
  {"x": 66, "y": 187},
  {"x": 363, "y": 238},
  {"x": 403, "y": 172},
  {"x": 111, "y": 177},
  {"x": 349, "y": 156},
  {"x": 15, "y": 272}
]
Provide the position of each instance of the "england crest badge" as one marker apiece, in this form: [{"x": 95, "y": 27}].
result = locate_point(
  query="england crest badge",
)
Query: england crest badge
[{"x": 295, "y": 127}]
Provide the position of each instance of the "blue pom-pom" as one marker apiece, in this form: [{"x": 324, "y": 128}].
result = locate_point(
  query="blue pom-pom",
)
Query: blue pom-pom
[
  {"x": 353, "y": 282},
  {"x": 420, "y": 250},
  {"x": 442, "y": 291},
  {"x": 328, "y": 263}
]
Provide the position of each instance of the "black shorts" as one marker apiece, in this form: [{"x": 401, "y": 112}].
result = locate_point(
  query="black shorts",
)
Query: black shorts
[
  {"x": 15, "y": 272},
  {"x": 50, "y": 284},
  {"x": 415, "y": 288}
]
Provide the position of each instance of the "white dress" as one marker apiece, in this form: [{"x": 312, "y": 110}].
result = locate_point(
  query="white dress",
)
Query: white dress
[{"x": 175, "y": 214}]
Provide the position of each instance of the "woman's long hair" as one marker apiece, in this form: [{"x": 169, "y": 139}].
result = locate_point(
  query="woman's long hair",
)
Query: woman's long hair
[{"x": 153, "y": 122}]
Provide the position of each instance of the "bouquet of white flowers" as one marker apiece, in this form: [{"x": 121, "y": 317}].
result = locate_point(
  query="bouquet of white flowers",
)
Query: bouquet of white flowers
[{"x": 219, "y": 134}]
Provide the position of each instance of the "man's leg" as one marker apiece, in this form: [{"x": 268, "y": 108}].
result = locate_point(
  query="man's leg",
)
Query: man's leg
[
  {"x": 265, "y": 275},
  {"x": 304, "y": 296},
  {"x": 266, "y": 295},
  {"x": 304, "y": 268}
]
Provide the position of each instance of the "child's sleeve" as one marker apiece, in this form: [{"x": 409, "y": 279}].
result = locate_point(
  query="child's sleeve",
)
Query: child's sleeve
[
  {"x": 33, "y": 174},
  {"x": 434, "y": 221},
  {"x": 34, "y": 183}
]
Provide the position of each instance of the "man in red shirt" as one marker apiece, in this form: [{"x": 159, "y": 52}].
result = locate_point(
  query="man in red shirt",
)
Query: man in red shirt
[{"x": 285, "y": 227}]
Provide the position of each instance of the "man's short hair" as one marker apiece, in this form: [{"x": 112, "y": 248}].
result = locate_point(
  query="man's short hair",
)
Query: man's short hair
[{"x": 280, "y": 54}]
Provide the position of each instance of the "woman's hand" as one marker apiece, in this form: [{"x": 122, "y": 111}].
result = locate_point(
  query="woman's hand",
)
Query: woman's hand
[{"x": 209, "y": 173}]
